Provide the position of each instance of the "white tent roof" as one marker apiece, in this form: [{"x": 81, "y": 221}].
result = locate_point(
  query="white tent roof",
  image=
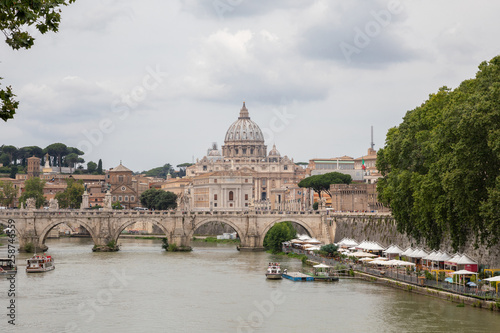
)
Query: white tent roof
[
  {"x": 347, "y": 242},
  {"x": 303, "y": 237},
  {"x": 370, "y": 246},
  {"x": 465, "y": 260},
  {"x": 360, "y": 254},
  {"x": 443, "y": 257},
  {"x": 418, "y": 253},
  {"x": 455, "y": 258},
  {"x": 495, "y": 278},
  {"x": 312, "y": 241},
  {"x": 407, "y": 251},
  {"x": 393, "y": 249},
  {"x": 313, "y": 248},
  {"x": 463, "y": 272},
  {"x": 431, "y": 256},
  {"x": 366, "y": 259},
  {"x": 321, "y": 266}
]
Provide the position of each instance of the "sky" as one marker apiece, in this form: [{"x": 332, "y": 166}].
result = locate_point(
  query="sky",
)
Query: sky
[{"x": 153, "y": 82}]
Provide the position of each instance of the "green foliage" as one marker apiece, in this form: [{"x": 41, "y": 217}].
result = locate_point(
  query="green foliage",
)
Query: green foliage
[
  {"x": 172, "y": 247},
  {"x": 57, "y": 150},
  {"x": 279, "y": 233},
  {"x": 316, "y": 205},
  {"x": 164, "y": 244},
  {"x": 158, "y": 199},
  {"x": 29, "y": 247},
  {"x": 160, "y": 172},
  {"x": 441, "y": 165},
  {"x": 331, "y": 249},
  {"x": 33, "y": 188},
  {"x": 13, "y": 172},
  {"x": 116, "y": 205},
  {"x": 15, "y": 18},
  {"x": 99, "y": 167},
  {"x": 428, "y": 275},
  {"x": 7, "y": 193},
  {"x": 91, "y": 167},
  {"x": 71, "y": 197},
  {"x": 321, "y": 183},
  {"x": 96, "y": 207}
]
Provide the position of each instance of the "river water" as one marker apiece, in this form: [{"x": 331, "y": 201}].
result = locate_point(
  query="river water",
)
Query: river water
[{"x": 212, "y": 289}]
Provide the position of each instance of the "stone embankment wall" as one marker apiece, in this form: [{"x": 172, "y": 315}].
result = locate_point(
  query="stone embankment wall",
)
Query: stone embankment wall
[{"x": 382, "y": 229}]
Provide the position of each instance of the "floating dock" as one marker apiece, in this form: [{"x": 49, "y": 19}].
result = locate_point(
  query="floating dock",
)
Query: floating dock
[{"x": 297, "y": 276}]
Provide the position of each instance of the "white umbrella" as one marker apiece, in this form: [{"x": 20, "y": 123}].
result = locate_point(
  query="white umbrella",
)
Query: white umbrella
[
  {"x": 362, "y": 254},
  {"x": 493, "y": 279},
  {"x": 463, "y": 272},
  {"x": 366, "y": 259}
]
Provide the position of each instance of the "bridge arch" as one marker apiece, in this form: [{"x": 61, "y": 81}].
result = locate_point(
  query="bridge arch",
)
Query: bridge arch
[
  {"x": 131, "y": 221},
  {"x": 204, "y": 221},
  {"x": 283, "y": 219},
  {"x": 52, "y": 224}
]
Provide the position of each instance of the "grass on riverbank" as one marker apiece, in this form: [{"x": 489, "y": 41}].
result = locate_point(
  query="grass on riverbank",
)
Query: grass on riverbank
[
  {"x": 146, "y": 237},
  {"x": 302, "y": 257},
  {"x": 215, "y": 240}
]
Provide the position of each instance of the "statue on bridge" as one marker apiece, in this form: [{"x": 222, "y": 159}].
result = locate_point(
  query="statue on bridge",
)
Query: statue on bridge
[
  {"x": 53, "y": 204},
  {"x": 31, "y": 203}
]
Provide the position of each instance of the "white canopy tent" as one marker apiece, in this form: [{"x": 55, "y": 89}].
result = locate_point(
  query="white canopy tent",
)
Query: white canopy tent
[
  {"x": 370, "y": 246},
  {"x": 347, "y": 242}
]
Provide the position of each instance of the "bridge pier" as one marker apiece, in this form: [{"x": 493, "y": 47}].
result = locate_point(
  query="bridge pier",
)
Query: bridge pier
[
  {"x": 250, "y": 244},
  {"x": 31, "y": 243}
]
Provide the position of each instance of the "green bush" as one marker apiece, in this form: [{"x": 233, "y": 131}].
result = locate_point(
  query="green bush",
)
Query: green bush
[
  {"x": 164, "y": 244},
  {"x": 279, "y": 233},
  {"x": 428, "y": 275},
  {"x": 29, "y": 247},
  {"x": 172, "y": 247}
]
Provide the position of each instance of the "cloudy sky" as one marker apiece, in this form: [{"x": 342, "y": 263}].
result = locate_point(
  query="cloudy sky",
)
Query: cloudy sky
[{"x": 153, "y": 82}]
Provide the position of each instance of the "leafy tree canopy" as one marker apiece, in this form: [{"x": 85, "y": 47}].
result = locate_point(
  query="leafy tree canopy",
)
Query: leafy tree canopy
[
  {"x": 71, "y": 197},
  {"x": 279, "y": 233},
  {"x": 160, "y": 172},
  {"x": 441, "y": 165},
  {"x": 15, "y": 17},
  {"x": 33, "y": 188},
  {"x": 158, "y": 199},
  {"x": 321, "y": 183},
  {"x": 7, "y": 193}
]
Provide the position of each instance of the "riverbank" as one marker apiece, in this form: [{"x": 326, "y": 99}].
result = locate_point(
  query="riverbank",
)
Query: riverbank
[
  {"x": 211, "y": 239},
  {"x": 462, "y": 300}
]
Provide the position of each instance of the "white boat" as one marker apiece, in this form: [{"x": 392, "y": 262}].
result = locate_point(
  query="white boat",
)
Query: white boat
[
  {"x": 7, "y": 267},
  {"x": 274, "y": 271},
  {"x": 39, "y": 264}
]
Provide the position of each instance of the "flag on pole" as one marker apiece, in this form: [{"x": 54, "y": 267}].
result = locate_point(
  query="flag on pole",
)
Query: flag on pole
[{"x": 363, "y": 164}]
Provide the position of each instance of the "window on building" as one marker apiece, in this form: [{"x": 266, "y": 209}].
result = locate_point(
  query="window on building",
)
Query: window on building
[
  {"x": 215, "y": 204},
  {"x": 246, "y": 204},
  {"x": 126, "y": 198},
  {"x": 120, "y": 198},
  {"x": 215, "y": 180},
  {"x": 246, "y": 180},
  {"x": 244, "y": 151},
  {"x": 215, "y": 196},
  {"x": 246, "y": 196},
  {"x": 285, "y": 167},
  {"x": 204, "y": 168},
  {"x": 114, "y": 198},
  {"x": 263, "y": 182},
  {"x": 120, "y": 179},
  {"x": 231, "y": 195},
  {"x": 132, "y": 198}
]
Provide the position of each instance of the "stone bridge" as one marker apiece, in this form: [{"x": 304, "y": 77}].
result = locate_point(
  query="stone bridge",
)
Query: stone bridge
[{"x": 105, "y": 227}]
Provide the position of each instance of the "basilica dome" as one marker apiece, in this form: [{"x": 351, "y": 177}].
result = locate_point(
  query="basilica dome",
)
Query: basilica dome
[
  {"x": 244, "y": 138},
  {"x": 244, "y": 129}
]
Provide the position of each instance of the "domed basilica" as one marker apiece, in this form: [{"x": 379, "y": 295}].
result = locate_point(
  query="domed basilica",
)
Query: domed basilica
[{"x": 244, "y": 176}]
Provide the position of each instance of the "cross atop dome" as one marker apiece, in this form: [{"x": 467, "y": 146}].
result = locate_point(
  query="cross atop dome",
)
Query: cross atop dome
[{"x": 244, "y": 112}]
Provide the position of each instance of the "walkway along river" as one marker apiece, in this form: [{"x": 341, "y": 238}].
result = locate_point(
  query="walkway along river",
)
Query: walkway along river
[{"x": 212, "y": 289}]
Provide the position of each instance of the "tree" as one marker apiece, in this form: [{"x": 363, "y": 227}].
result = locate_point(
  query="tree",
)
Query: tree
[
  {"x": 11, "y": 152},
  {"x": 7, "y": 193},
  {"x": 57, "y": 150},
  {"x": 15, "y": 18},
  {"x": 33, "y": 188},
  {"x": 279, "y": 233},
  {"x": 441, "y": 165},
  {"x": 13, "y": 172},
  {"x": 321, "y": 183},
  {"x": 91, "y": 167},
  {"x": 71, "y": 197},
  {"x": 158, "y": 199},
  {"x": 330, "y": 249},
  {"x": 182, "y": 169},
  {"x": 71, "y": 159},
  {"x": 116, "y": 205},
  {"x": 160, "y": 172},
  {"x": 99, "y": 167}
]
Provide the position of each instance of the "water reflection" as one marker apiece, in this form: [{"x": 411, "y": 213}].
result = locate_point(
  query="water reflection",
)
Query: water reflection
[{"x": 213, "y": 289}]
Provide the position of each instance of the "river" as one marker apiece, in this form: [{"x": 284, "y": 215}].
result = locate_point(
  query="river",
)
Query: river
[{"x": 212, "y": 289}]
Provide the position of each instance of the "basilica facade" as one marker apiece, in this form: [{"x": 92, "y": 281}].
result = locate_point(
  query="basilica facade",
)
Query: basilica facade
[{"x": 243, "y": 175}]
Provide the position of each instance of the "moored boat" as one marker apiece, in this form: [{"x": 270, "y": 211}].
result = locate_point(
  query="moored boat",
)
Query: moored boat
[
  {"x": 274, "y": 271},
  {"x": 39, "y": 264},
  {"x": 7, "y": 267}
]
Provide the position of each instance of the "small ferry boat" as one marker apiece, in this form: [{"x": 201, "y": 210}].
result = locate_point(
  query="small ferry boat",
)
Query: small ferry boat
[
  {"x": 274, "y": 271},
  {"x": 7, "y": 267},
  {"x": 39, "y": 264}
]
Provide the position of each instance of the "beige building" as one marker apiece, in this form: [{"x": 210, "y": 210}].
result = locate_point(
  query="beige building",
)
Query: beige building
[
  {"x": 355, "y": 198},
  {"x": 243, "y": 168},
  {"x": 123, "y": 187}
]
